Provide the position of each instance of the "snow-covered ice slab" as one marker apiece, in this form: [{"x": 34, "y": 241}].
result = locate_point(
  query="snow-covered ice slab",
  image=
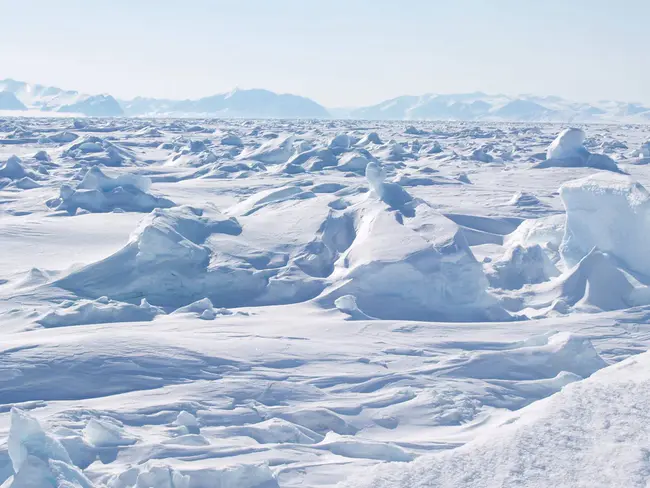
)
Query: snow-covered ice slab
[{"x": 260, "y": 304}]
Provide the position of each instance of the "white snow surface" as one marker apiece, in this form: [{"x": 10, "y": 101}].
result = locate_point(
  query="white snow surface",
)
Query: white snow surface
[{"x": 281, "y": 303}]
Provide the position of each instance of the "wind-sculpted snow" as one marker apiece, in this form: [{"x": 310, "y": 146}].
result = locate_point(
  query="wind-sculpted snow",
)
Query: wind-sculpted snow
[{"x": 282, "y": 303}]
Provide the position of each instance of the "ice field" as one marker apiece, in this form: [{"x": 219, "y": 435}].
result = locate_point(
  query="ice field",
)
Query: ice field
[{"x": 191, "y": 303}]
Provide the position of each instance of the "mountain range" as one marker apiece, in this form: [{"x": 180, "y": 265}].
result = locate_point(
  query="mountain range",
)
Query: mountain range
[{"x": 258, "y": 103}]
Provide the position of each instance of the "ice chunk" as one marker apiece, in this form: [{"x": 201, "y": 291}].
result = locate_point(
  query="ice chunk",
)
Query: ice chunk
[
  {"x": 107, "y": 432},
  {"x": 568, "y": 144},
  {"x": 39, "y": 459},
  {"x": 611, "y": 213},
  {"x": 567, "y": 151}
]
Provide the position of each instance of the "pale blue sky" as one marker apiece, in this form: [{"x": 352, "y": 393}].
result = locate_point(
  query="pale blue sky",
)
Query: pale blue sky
[{"x": 338, "y": 52}]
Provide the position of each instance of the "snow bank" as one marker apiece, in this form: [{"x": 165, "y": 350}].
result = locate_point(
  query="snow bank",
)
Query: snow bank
[
  {"x": 611, "y": 213},
  {"x": 592, "y": 433},
  {"x": 98, "y": 311},
  {"x": 98, "y": 192}
]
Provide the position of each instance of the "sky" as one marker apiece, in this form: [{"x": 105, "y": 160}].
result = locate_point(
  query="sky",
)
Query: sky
[{"x": 339, "y": 53}]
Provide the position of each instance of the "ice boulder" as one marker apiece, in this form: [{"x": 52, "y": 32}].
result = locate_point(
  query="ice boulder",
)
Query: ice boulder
[
  {"x": 608, "y": 212},
  {"x": 39, "y": 459},
  {"x": 568, "y": 151},
  {"x": 107, "y": 432},
  {"x": 98, "y": 192}
]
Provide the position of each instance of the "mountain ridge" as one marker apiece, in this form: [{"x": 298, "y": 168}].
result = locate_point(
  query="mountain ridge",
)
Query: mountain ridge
[{"x": 261, "y": 103}]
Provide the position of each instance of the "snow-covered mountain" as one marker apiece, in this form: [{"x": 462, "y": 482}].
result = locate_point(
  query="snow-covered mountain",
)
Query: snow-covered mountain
[
  {"x": 53, "y": 99},
  {"x": 8, "y": 101},
  {"x": 480, "y": 106},
  {"x": 237, "y": 103},
  {"x": 259, "y": 103}
]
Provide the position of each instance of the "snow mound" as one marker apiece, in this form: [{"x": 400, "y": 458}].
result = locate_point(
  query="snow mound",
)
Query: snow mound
[
  {"x": 13, "y": 169},
  {"x": 166, "y": 262},
  {"x": 94, "y": 150},
  {"x": 368, "y": 139},
  {"x": 354, "y": 162},
  {"x": 267, "y": 197},
  {"x": 231, "y": 140},
  {"x": 524, "y": 199},
  {"x": 565, "y": 440},
  {"x": 544, "y": 358},
  {"x": 155, "y": 474},
  {"x": 313, "y": 159},
  {"x": 520, "y": 266},
  {"x": 149, "y": 132},
  {"x": 348, "y": 305},
  {"x": 340, "y": 143},
  {"x": 597, "y": 284},
  {"x": 353, "y": 447},
  {"x": 98, "y": 192},
  {"x": 38, "y": 459},
  {"x": 26, "y": 183},
  {"x": 274, "y": 151},
  {"x": 64, "y": 137},
  {"x": 418, "y": 269},
  {"x": 608, "y": 212},
  {"x": 568, "y": 151},
  {"x": 191, "y": 153},
  {"x": 99, "y": 311},
  {"x": 392, "y": 151}
]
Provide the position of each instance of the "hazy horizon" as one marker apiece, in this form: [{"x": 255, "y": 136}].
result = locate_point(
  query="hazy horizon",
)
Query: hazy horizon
[{"x": 340, "y": 54}]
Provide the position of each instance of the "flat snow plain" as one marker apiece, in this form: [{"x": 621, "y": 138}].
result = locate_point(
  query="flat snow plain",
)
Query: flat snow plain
[{"x": 242, "y": 304}]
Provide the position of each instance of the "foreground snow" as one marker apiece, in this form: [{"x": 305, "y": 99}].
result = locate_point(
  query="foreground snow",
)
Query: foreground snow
[
  {"x": 258, "y": 304},
  {"x": 594, "y": 433}
]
